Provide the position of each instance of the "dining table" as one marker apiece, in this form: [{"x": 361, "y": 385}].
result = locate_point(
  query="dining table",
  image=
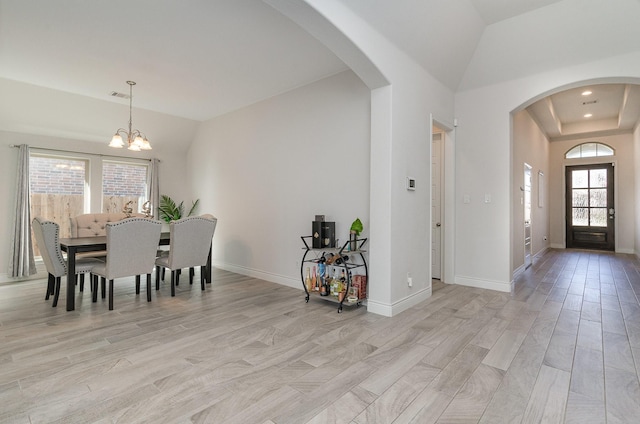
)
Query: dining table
[{"x": 74, "y": 245}]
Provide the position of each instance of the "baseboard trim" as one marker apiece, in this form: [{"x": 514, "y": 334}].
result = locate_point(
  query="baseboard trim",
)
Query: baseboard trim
[
  {"x": 521, "y": 268},
  {"x": 267, "y": 276},
  {"x": 389, "y": 310},
  {"x": 506, "y": 287},
  {"x": 518, "y": 271}
]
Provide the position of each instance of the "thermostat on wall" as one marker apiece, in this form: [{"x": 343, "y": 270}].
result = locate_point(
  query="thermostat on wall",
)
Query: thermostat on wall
[{"x": 411, "y": 183}]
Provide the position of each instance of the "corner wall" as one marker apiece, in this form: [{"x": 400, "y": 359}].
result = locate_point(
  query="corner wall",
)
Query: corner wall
[
  {"x": 266, "y": 170},
  {"x": 403, "y": 97}
]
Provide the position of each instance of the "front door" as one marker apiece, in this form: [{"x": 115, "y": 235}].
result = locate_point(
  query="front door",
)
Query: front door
[{"x": 590, "y": 212}]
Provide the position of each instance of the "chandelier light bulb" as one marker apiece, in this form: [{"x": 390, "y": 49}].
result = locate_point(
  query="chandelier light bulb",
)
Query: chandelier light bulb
[
  {"x": 145, "y": 145},
  {"x": 116, "y": 142}
]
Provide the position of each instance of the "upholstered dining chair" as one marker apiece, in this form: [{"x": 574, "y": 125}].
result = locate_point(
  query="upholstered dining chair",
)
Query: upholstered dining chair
[
  {"x": 131, "y": 251},
  {"x": 47, "y": 234},
  {"x": 189, "y": 245}
]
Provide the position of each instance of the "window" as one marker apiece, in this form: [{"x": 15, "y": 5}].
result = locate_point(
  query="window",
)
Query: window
[
  {"x": 66, "y": 186},
  {"x": 58, "y": 186},
  {"x": 123, "y": 184},
  {"x": 589, "y": 150},
  {"x": 589, "y": 197}
]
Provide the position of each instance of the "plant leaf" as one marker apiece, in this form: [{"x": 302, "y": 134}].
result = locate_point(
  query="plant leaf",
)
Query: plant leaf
[
  {"x": 193, "y": 207},
  {"x": 167, "y": 208},
  {"x": 169, "y": 211},
  {"x": 357, "y": 226}
]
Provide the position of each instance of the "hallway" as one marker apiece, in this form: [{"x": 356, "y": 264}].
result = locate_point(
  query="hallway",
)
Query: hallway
[{"x": 580, "y": 358}]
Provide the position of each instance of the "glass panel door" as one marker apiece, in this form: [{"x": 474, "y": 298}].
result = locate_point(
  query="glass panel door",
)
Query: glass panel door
[{"x": 590, "y": 207}]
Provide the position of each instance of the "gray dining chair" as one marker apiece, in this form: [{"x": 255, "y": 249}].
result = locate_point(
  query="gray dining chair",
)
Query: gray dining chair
[
  {"x": 131, "y": 251},
  {"x": 189, "y": 246},
  {"x": 47, "y": 234}
]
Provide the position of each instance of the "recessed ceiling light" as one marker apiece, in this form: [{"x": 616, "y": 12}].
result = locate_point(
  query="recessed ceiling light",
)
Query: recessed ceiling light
[
  {"x": 588, "y": 115},
  {"x": 587, "y": 93}
]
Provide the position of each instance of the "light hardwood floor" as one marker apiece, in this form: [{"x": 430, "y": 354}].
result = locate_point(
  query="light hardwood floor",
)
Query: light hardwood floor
[{"x": 565, "y": 347}]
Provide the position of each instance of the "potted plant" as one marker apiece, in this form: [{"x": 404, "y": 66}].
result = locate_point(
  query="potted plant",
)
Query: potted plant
[
  {"x": 170, "y": 211},
  {"x": 354, "y": 232}
]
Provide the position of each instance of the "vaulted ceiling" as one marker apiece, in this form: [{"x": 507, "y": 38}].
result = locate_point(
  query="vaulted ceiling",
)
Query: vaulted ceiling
[{"x": 200, "y": 59}]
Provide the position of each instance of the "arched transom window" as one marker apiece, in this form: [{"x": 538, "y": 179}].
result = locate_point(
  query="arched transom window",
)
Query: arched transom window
[{"x": 589, "y": 150}]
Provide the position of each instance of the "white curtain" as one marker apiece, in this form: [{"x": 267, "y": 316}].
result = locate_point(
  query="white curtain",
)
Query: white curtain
[
  {"x": 154, "y": 189},
  {"x": 22, "y": 262}
]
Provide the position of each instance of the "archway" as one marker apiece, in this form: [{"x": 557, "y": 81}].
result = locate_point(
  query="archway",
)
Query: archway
[{"x": 530, "y": 136}]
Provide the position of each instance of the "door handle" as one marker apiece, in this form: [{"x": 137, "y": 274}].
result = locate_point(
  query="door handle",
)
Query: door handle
[{"x": 438, "y": 224}]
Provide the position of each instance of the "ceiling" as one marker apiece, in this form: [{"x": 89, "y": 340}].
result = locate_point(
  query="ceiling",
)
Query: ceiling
[
  {"x": 198, "y": 59},
  {"x": 195, "y": 58},
  {"x": 608, "y": 109}
]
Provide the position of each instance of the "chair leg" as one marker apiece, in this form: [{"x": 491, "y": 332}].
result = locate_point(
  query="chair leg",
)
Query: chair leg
[
  {"x": 192, "y": 272},
  {"x": 82, "y": 282},
  {"x": 104, "y": 286},
  {"x": 94, "y": 287},
  {"x": 111, "y": 295},
  {"x": 173, "y": 283},
  {"x": 163, "y": 270},
  {"x": 57, "y": 293},
  {"x": 203, "y": 277},
  {"x": 51, "y": 282},
  {"x": 148, "y": 287},
  {"x": 157, "y": 277},
  {"x": 178, "y": 272},
  {"x": 137, "y": 284}
]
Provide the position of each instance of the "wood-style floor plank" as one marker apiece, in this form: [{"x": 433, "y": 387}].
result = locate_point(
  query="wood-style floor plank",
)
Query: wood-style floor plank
[{"x": 563, "y": 347}]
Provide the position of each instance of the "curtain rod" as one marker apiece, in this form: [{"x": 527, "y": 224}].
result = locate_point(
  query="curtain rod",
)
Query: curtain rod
[{"x": 83, "y": 153}]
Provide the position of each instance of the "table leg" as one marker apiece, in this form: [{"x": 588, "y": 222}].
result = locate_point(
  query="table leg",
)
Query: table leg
[{"x": 71, "y": 280}]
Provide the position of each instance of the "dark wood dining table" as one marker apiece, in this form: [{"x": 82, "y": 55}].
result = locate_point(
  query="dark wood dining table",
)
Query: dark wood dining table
[{"x": 75, "y": 245}]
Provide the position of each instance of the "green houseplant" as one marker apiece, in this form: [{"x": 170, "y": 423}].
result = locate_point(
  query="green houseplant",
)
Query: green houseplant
[
  {"x": 356, "y": 227},
  {"x": 354, "y": 232},
  {"x": 171, "y": 211}
]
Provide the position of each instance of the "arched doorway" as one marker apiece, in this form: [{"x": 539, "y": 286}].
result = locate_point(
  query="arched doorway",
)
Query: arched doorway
[{"x": 544, "y": 130}]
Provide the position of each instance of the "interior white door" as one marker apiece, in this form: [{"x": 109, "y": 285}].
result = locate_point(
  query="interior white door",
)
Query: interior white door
[{"x": 436, "y": 205}]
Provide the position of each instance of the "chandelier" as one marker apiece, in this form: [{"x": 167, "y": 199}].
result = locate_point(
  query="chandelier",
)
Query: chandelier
[{"x": 136, "y": 140}]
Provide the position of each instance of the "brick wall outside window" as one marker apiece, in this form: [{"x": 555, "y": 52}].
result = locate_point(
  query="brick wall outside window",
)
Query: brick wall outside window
[
  {"x": 123, "y": 179},
  {"x": 56, "y": 176}
]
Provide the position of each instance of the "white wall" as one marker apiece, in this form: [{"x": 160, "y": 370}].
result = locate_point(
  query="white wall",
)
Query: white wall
[
  {"x": 532, "y": 147},
  {"x": 636, "y": 179},
  {"x": 265, "y": 171},
  {"x": 53, "y": 119},
  {"x": 403, "y": 96},
  {"x": 483, "y": 162},
  {"x": 625, "y": 194}
]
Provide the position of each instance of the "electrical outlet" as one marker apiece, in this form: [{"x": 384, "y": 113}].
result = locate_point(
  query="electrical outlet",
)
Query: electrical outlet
[{"x": 409, "y": 279}]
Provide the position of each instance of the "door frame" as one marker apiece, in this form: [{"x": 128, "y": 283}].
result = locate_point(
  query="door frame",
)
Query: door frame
[
  {"x": 447, "y": 214},
  {"x": 589, "y": 161},
  {"x": 441, "y": 217},
  {"x": 528, "y": 201}
]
